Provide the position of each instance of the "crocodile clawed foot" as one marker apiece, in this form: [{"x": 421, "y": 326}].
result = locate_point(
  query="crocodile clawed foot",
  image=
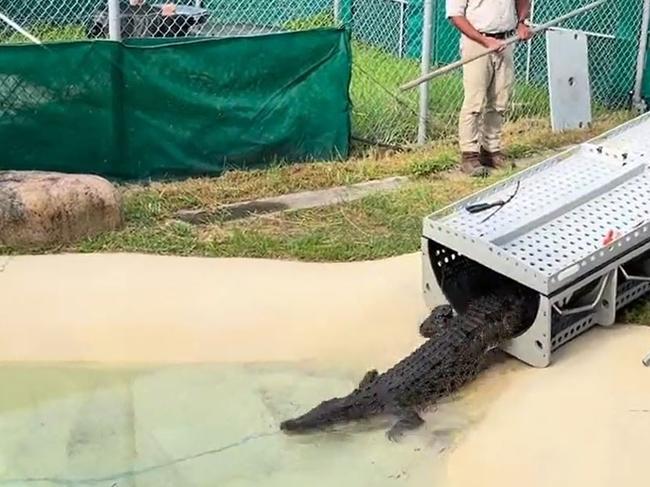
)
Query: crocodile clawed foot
[
  {"x": 408, "y": 420},
  {"x": 393, "y": 435},
  {"x": 438, "y": 319}
]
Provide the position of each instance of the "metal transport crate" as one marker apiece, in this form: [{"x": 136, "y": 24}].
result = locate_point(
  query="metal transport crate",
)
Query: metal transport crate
[{"x": 575, "y": 228}]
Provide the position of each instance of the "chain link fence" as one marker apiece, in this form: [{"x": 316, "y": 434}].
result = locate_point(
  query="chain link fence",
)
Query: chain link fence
[
  {"x": 387, "y": 41},
  {"x": 613, "y": 32}
]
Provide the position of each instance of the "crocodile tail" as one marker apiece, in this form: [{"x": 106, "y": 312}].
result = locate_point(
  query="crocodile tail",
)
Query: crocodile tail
[{"x": 328, "y": 413}]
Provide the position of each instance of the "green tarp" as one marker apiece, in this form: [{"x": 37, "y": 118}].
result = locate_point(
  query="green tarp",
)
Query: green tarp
[{"x": 161, "y": 108}]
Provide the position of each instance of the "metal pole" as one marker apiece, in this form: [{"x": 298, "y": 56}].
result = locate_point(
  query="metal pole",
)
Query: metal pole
[
  {"x": 337, "y": 11},
  {"x": 637, "y": 101},
  {"x": 588, "y": 33},
  {"x": 114, "y": 20},
  {"x": 512, "y": 40},
  {"x": 402, "y": 11},
  {"x": 427, "y": 38},
  {"x": 19, "y": 29},
  {"x": 529, "y": 48},
  {"x": 402, "y": 5}
]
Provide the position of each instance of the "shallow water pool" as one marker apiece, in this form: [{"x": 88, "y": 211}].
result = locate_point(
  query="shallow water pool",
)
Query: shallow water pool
[{"x": 198, "y": 425}]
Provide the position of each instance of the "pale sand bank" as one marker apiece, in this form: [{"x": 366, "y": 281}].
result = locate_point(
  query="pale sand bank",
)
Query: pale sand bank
[{"x": 275, "y": 338}]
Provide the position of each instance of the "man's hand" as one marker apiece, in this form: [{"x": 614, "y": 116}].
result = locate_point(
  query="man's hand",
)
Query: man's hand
[
  {"x": 467, "y": 29},
  {"x": 524, "y": 32},
  {"x": 492, "y": 43}
]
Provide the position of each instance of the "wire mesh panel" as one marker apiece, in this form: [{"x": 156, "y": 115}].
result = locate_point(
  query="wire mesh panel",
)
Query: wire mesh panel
[
  {"x": 387, "y": 38},
  {"x": 613, "y": 32},
  {"x": 613, "y": 41},
  {"x": 49, "y": 20},
  {"x": 386, "y": 49}
]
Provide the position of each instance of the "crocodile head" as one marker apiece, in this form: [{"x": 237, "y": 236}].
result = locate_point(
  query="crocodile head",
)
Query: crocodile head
[{"x": 326, "y": 414}]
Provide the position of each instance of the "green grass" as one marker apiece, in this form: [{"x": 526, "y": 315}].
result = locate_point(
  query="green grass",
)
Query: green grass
[
  {"x": 427, "y": 166},
  {"x": 318, "y": 21},
  {"x": 377, "y": 226},
  {"x": 389, "y": 115},
  {"x": 390, "y": 222},
  {"x": 381, "y": 112},
  {"x": 46, "y": 33},
  {"x": 159, "y": 201},
  {"x": 384, "y": 113},
  {"x": 638, "y": 313}
]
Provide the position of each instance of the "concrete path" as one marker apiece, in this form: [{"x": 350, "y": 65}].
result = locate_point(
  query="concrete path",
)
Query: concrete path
[{"x": 293, "y": 201}]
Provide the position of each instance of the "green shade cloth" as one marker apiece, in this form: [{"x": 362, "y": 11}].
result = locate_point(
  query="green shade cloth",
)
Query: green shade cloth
[{"x": 159, "y": 107}]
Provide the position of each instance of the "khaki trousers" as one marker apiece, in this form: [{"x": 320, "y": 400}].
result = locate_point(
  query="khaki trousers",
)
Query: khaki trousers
[{"x": 488, "y": 84}]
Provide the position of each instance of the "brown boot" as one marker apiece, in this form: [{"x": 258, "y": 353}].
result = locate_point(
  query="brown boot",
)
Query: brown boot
[
  {"x": 471, "y": 164},
  {"x": 495, "y": 160}
]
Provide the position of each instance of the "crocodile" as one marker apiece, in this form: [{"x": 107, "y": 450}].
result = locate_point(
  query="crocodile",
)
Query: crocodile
[{"x": 454, "y": 354}]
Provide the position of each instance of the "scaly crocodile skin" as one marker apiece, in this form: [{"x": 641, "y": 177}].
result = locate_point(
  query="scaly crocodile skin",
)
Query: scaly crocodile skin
[{"x": 452, "y": 357}]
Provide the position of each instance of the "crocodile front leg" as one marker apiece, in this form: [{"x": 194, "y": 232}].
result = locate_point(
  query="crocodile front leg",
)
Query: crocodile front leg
[
  {"x": 369, "y": 378},
  {"x": 407, "y": 420}
]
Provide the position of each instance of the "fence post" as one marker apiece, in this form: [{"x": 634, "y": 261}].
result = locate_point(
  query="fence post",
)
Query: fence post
[
  {"x": 529, "y": 47},
  {"x": 114, "y": 20},
  {"x": 337, "y": 11},
  {"x": 637, "y": 100},
  {"x": 427, "y": 39},
  {"x": 344, "y": 9}
]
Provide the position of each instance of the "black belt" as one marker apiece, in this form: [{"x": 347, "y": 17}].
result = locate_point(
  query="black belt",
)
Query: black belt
[{"x": 499, "y": 35}]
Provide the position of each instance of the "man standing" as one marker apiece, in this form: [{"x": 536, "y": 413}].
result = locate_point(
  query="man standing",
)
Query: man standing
[{"x": 485, "y": 24}]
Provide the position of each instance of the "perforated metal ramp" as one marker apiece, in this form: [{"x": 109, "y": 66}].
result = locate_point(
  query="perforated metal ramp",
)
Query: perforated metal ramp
[{"x": 551, "y": 236}]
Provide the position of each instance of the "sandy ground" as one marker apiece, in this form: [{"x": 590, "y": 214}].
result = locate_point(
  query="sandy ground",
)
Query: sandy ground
[
  {"x": 126, "y": 308},
  {"x": 191, "y": 364},
  {"x": 583, "y": 421}
]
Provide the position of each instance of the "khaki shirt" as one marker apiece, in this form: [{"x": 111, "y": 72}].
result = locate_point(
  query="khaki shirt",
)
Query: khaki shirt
[{"x": 487, "y": 16}]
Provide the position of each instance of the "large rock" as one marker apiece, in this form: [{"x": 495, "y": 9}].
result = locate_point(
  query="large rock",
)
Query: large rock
[{"x": 43, "y": 208}]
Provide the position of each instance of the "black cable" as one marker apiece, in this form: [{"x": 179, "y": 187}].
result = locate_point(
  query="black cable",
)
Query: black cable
[
  {"x": 481, "y": 207},
  {"x": 399, "y": 148}
]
